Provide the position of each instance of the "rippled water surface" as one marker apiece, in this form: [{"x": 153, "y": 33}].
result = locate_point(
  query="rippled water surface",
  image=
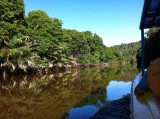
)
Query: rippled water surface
[{"x": 77, "y": 95}]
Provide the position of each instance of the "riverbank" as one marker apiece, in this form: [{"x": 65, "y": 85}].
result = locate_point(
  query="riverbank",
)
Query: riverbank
[
  {"x": 55, "y": 68},
  {"x": 117, "y": 109}
]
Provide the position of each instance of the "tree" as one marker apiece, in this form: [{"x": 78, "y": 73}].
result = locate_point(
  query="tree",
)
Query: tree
[
  {"x": 152, "y": 49},
  {"x": 46, "y": 30},
  {"x": 41, "y": 26},
  {"x": 39, "y": 40},
  {"x": 128, "y": 51},
  {"x": 17, "y": 54},
  {"x": 12, "y": 22}
]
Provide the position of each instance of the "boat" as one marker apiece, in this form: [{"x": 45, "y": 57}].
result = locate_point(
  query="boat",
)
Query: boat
[{"x": 146, "y": 106}]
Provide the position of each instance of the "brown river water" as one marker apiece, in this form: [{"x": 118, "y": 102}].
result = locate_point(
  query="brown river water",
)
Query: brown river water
[{"x": 77, "y": 95}]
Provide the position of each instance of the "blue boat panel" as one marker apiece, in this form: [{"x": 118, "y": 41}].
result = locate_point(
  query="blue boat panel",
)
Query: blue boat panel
[
  {"x": 153, "y": 5},
  {"x": 150, "y": 18},
  {"x": 150, "y": 14},
  {"x": 157, "y": 19}
]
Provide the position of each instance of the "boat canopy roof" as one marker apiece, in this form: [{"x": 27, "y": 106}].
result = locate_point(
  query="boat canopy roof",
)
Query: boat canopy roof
[{"x": 150, "y": 14}]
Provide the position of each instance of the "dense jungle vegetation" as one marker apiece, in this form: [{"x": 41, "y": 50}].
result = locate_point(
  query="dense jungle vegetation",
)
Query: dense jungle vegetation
[{"x": 37, "y": 40}]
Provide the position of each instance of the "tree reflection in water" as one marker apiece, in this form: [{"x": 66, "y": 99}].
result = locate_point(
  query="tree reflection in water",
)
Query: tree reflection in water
[{"x": 52, "y": 96}]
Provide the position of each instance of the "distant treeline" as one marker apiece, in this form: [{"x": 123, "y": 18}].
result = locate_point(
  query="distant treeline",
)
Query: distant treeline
[
  {"x": 37, "y": 40},
  {"x": 132, "y": 51},
  {"x": 129, "y": 51}
]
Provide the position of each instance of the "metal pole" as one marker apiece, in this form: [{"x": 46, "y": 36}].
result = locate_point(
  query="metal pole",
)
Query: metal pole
[{"x": 142, "y": 52}]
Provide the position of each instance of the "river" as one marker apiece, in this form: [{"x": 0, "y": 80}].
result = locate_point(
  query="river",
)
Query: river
[{"x": 77, "y": 95}]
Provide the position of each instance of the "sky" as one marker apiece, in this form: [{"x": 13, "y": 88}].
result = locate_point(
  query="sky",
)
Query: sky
[{"x": 115, "y": 21}]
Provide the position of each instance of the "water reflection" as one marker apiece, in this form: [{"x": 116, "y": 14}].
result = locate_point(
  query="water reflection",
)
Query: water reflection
[
  {"x": 98, "y": 99},
  {"x": 117, "y": 89},
  {"x": 84, "y": 112},
  {"x": 58, "y": 96}
]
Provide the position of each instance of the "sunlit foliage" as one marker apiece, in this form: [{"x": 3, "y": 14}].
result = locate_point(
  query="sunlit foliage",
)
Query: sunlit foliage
[{"x": 38, "y": 40}]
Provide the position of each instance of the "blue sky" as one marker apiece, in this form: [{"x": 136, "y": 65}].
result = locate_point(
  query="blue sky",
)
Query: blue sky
[{"x": 115, "y": 21}]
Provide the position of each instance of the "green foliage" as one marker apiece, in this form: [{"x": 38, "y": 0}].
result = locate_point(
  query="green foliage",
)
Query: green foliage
[
  {"x": 128, "y": 51},
  {"x": 47, "y": 43},
  {"x": 152, "y": 49},
  {"x": 16, "y": 54},
  {"x": 41, "y": 26},
  {"x": 49, "y": 33},
  {"x": 88, "y": 48},
  {"x": 12, "y": 21}
]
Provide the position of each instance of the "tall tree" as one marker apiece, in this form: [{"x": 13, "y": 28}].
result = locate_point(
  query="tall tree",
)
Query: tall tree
[
  {"x": 45, "y": 29},
  {"x": 12, "y": 22},
  {"x": 41, "y": 26}
]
